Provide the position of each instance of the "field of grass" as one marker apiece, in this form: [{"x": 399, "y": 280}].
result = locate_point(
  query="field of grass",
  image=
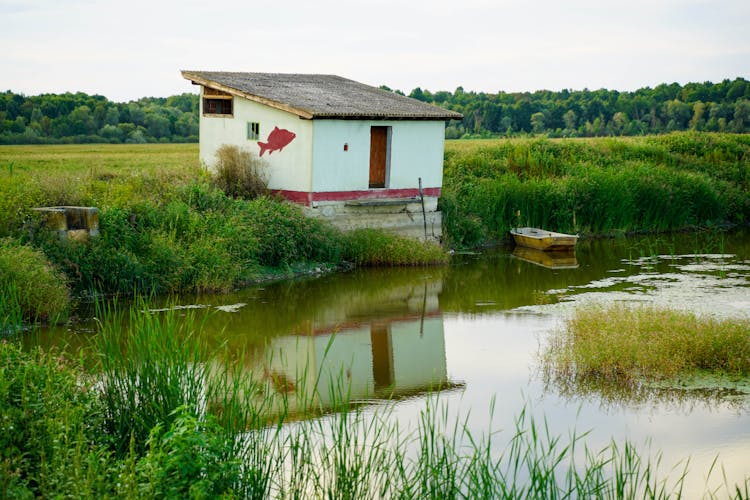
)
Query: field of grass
[
  {"x": 598, "y": 186},
  {"x": 102, "y": 175}
]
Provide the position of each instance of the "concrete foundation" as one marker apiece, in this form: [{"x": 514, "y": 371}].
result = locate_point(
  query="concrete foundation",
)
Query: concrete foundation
[
  {"x": 403, "y": 216},
  {"x": 76, "y": 223}
]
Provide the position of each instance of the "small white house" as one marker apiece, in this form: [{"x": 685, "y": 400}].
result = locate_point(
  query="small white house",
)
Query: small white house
[{"x": 347, "y": 151}]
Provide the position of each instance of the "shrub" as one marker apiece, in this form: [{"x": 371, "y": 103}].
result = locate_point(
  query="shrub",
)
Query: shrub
[
  {"x": 286, "y": 236},
  {"x": 34, "y": 289},
  {"x": 239, "y": 173}
]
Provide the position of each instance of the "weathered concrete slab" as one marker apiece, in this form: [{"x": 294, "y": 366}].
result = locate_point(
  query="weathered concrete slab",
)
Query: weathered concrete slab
[
  {"x": 77, "y": 223},
  {"x": 402, "y": 216}
]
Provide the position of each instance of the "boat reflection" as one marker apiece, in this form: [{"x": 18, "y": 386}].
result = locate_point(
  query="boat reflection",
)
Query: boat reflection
[{"x": 549, "y": 260}]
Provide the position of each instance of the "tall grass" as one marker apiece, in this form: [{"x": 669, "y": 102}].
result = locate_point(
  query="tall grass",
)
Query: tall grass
[
  {"x": 601, "y": 186},
  {"x": 31, "y": 288},
  {"x": 46, "y": 416},
  {"x": 627, "y": 345},
  {"x": 373, "y": 247},
  {"x": 165, "y": 417},
  {"x": 361, "y": 453},
  {"x": 239, "y": 173}
]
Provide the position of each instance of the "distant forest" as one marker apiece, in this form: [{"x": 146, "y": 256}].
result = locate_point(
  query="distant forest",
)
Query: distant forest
[
  {"x": 715, "y": 107},
  {"x": 83, "y": 118}
]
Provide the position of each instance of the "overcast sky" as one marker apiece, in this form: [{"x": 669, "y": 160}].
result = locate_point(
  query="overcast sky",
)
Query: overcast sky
[{"x": 127, "y": 49}]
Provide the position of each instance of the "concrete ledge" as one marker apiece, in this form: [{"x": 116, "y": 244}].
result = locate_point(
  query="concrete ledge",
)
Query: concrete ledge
[
  {"x": 380, "y": 202},
  {"x": 391, "y": 216},
  {"x": 77, "y": 223}
]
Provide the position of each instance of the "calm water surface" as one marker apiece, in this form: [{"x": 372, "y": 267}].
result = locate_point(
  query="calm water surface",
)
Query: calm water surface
[{"x": 476, "y": 327}]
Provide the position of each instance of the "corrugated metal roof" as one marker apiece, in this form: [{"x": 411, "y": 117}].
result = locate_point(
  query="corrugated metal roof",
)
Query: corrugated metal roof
[{"x": 320, "y": 96}]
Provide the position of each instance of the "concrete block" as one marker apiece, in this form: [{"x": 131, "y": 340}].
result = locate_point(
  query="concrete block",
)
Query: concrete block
[{"x": 72, "y": 222}]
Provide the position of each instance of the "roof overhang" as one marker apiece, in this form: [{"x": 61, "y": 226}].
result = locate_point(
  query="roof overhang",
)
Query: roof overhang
[
  {"x": 308, "y": 114},
  {"x": 198, "y": 80}
]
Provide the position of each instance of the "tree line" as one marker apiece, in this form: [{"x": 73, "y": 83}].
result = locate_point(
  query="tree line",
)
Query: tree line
[
  {"x": 719, "y": 107},
  {"x": 82, "y": 118},
  {"x": 715, "y": 107}
]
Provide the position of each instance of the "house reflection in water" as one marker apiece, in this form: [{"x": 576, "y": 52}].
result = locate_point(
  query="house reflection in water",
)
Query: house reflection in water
[{"x": 392, "y": 348}]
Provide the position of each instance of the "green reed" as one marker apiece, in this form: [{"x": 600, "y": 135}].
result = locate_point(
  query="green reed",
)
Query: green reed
[
  {"x": 598, "y": 186},
  {"x": 628, "y": 345},
  {"x": 31, "y": 288},
  {"x": 164, "y": 416},
  {"x": 11, "y": 313}
]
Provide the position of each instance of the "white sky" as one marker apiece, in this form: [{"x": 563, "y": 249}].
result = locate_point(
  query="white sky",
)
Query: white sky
[{"x": 127, "y": 49}]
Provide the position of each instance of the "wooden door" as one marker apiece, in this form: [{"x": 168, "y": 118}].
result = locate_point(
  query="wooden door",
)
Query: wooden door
[{"x": 378, "y": 156}]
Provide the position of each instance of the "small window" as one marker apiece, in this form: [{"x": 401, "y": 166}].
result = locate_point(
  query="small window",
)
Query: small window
[
  {"x": 217, "y": 106},
  {"x": 253, "y": 131}
]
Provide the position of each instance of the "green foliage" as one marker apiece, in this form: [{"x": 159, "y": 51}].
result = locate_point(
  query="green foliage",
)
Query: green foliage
[
  {"x": 81, "y": 118},
  {"x": 628, "y": 345},
  {"x": 373, "y": 247},
  {"x": 239, "y": 173},
  {"x": 285, "y": 235},
  {"x": 30, "y": 287},
  {"x": 150, "y": 367},
  {"x": 46, "y": 417},
  {"x": 713, "y": 107},
  {"x": 602, "y": 186},
  {"x": 184, "y": 422},
  {"x": 720, "y": 107},
  {"x": 200, "y": 240},
  {"x": 188, "y": 460}
]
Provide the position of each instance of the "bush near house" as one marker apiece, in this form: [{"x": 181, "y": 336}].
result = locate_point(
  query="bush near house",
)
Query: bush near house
[
  {"x": 200, "y": 240},
  {"x": 239, "y": 173}
]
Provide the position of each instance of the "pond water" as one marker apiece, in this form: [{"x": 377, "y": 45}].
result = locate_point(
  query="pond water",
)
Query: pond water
[{"x": 475, "y": 328}]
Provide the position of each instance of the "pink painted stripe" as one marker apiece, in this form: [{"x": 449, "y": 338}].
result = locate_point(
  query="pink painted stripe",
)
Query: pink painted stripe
[{"x": 306, "y": 198}]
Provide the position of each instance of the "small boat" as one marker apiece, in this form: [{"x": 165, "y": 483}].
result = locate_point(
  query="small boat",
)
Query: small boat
[
  {"x": 555, "y": 259},
  {"x": 543, "y": 240}
]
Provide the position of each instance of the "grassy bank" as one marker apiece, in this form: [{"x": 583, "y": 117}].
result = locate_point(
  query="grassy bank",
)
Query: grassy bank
[
  {"x": 594, "y": 186},
  {"x": 31, "y": 289},
  {"x": 160, "y": 415},
  {"x": 167, "y": 227},
  {"x": 632, "y": 347}
]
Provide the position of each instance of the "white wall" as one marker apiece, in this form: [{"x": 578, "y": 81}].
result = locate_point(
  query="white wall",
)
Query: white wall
[
  {"x": 416, "y": 151},
  {"x": 419, "y": 358},
  {"x": 288, "y": 168}
]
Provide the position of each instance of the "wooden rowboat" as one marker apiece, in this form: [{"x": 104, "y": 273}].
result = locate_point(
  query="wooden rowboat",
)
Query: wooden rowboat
[{"x": 541, "y": 239}]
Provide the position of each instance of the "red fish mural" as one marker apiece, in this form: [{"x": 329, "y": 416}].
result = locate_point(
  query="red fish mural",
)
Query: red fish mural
[{"x": 277, "y": 140}]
